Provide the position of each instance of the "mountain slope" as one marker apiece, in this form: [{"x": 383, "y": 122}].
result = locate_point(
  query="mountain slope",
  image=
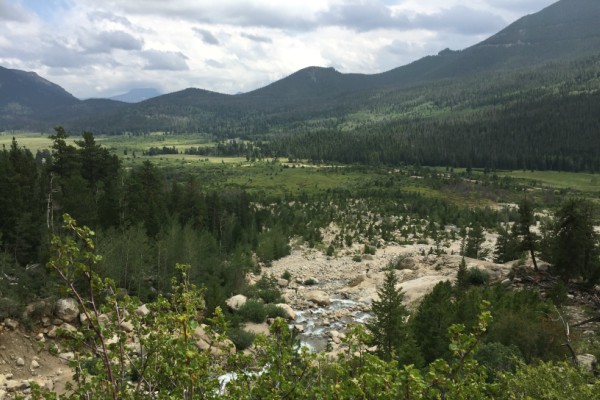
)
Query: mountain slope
[
  {"x": 314, "y": 97},
  {"x": 568, "y": 29},
  {"x": 28, "y": 92},
  {"x": 136, "y": 95}
]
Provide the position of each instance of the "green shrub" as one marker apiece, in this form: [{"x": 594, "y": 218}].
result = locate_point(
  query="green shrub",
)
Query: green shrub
[
  {"x": 558, "y": 293},
  {"x": 253, "y": 311},
  {"x": 10, "y": 308},
  {"x": 265, "y": 289},
  {"x": 310, "y": 282},
  {"x": 330, "y": 250},
  {"x": 498, "y": 358},
  {"x": 369, "y": 250},
  {"x": 241, "y": 338},
  {"x": 477, "y": 277},
  {"x": 273, "y": 311},
  {"x": 286, "y": 275},
  {"x": 357, "y": 258}
]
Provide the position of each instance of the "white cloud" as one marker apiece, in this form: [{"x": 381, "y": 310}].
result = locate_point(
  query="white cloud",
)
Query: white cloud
[{"x": 232, "y": 45}]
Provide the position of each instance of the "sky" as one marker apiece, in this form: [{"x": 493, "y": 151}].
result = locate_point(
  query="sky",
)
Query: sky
[{"x": 100, "y": 48}]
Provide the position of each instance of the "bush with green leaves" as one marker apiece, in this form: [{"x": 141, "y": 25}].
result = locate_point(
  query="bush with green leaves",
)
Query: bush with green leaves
[
  {"x": 477, "y": 277},
  {"x": 265, "y": 289},
  {"x": 169, "y": 365}
]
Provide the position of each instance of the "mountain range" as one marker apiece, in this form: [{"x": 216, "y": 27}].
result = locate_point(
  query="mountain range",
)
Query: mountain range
[{"x": 550, "y": 54}]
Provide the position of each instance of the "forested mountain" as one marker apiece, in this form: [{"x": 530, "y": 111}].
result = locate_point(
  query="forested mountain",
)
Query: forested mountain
[{"x": 523, "y": 98}]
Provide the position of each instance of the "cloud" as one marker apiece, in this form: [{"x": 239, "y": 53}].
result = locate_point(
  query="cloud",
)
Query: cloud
[
  {"x": 12, "y": 13},
  {"x": 364, "y": 15},
  {"x": 100, "y": 16},
  {"x": 206, "y": 36},
  {"x": 105, "y": 42},
  {"x": 257, "y": 38},
  {"x": 462, "y": 20},
  {"x": 165, "y": 60}
]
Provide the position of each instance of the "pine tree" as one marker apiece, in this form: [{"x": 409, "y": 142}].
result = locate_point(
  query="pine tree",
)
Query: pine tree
[
  {"x": 474, "y": 241},
  {"x": 461, "y": 276},
  {"x": 507, "y": 246},
  {"x": 577, "y": 250},
  {"x": 528, "y": 238},
  {"x": 388, "y": 327}
]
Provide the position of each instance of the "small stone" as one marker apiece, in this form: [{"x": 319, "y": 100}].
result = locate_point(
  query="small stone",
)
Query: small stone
[
  {"x": 142, "y": 310},
  {"x": 127, "y": 326},
  {"x": 34, "y": 364},
  {"x": 237, "y": 301},
  {"x": 66, "y": 309},
  {"x": 282, "y": 282},
  {"x": 52, "y": 332},
  {"x": 299, "y": 328},
  {"x": 20, "y": 361},
  {"x": 11, "y": 324},
  {"x": 67, "y": 356}
]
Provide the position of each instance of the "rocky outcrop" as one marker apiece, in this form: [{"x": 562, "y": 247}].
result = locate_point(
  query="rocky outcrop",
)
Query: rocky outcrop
[
  {"x": 289, "y": 311},
  {"x": 205, "y": 343},
  {"x": 66, "y": 309},
  {"x": 237, "y": 301},
  {"x": 318, "y": 297}
]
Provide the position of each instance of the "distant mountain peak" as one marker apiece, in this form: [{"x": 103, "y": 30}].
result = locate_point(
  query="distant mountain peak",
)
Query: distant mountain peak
[{"x": 137, "y": 95}]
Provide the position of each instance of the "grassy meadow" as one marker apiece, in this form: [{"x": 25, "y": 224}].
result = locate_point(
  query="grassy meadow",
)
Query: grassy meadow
[{"x": 275, "y": 179}]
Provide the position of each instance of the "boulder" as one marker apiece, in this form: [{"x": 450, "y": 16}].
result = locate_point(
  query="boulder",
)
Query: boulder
[
  {"x": 407, "y": 263},
  {"x": 318, "y": 297},
  {"x": 67, "y": 356},
  {"x": 142, "y": 310},
  {"x": 127, "y": 326},
  {"x": 282, "y": 282},
  {"x": 66, "y": 309},
  {"x": 237, "y": 301},
  {"x": 587, "y": 361},
  {"x": 357, "y": 280},
  {"x": 289, "y": 311},
  {"x": 11, "y": 324},
  {"x": 204, "y": 342},
  {"x": 20, "y": 361}
]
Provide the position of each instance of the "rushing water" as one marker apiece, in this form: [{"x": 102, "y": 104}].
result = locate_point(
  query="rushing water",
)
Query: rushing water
[{"x": 317, "y": 322}]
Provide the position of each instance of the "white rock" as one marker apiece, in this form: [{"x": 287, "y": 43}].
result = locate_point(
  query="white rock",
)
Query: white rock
[
  {"x": 66, "y": 309},
  {"x": 34, "y": 364},
  {"x": 282, "y": 282},
  {"x": 142, "y": 310},
  {"x": 67, "y": 356},
  {"x": 587, "y": 361},
  {"x": 237, "y": 301},
  {"x": 20, "y": 361},
  {"x": 289, "y": 311},
  {"x": 318, "y": 297},
  {"x": 127, "y": 326},
  {"x": 11, "y": 324}
]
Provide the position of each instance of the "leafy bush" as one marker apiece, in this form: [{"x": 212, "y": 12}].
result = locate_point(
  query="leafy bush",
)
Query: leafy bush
[
  {"x": 330, "y": 250},
  {"x": 273, "y": 311},
  {"x": 558, "y": 293},
  {"x": 253, "y": 311},
  {"x": 286, "y": 275},
  {"x": 477, "y": 277},
  {"x": 265, "y": 289},
  {"x": 10, "y": 308},
  {"x": 241, "y": 338},
  {"x": 369, "y": 249},
  {"x": 498, "y": 358},
  {"x": 357, "y": 258}
]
